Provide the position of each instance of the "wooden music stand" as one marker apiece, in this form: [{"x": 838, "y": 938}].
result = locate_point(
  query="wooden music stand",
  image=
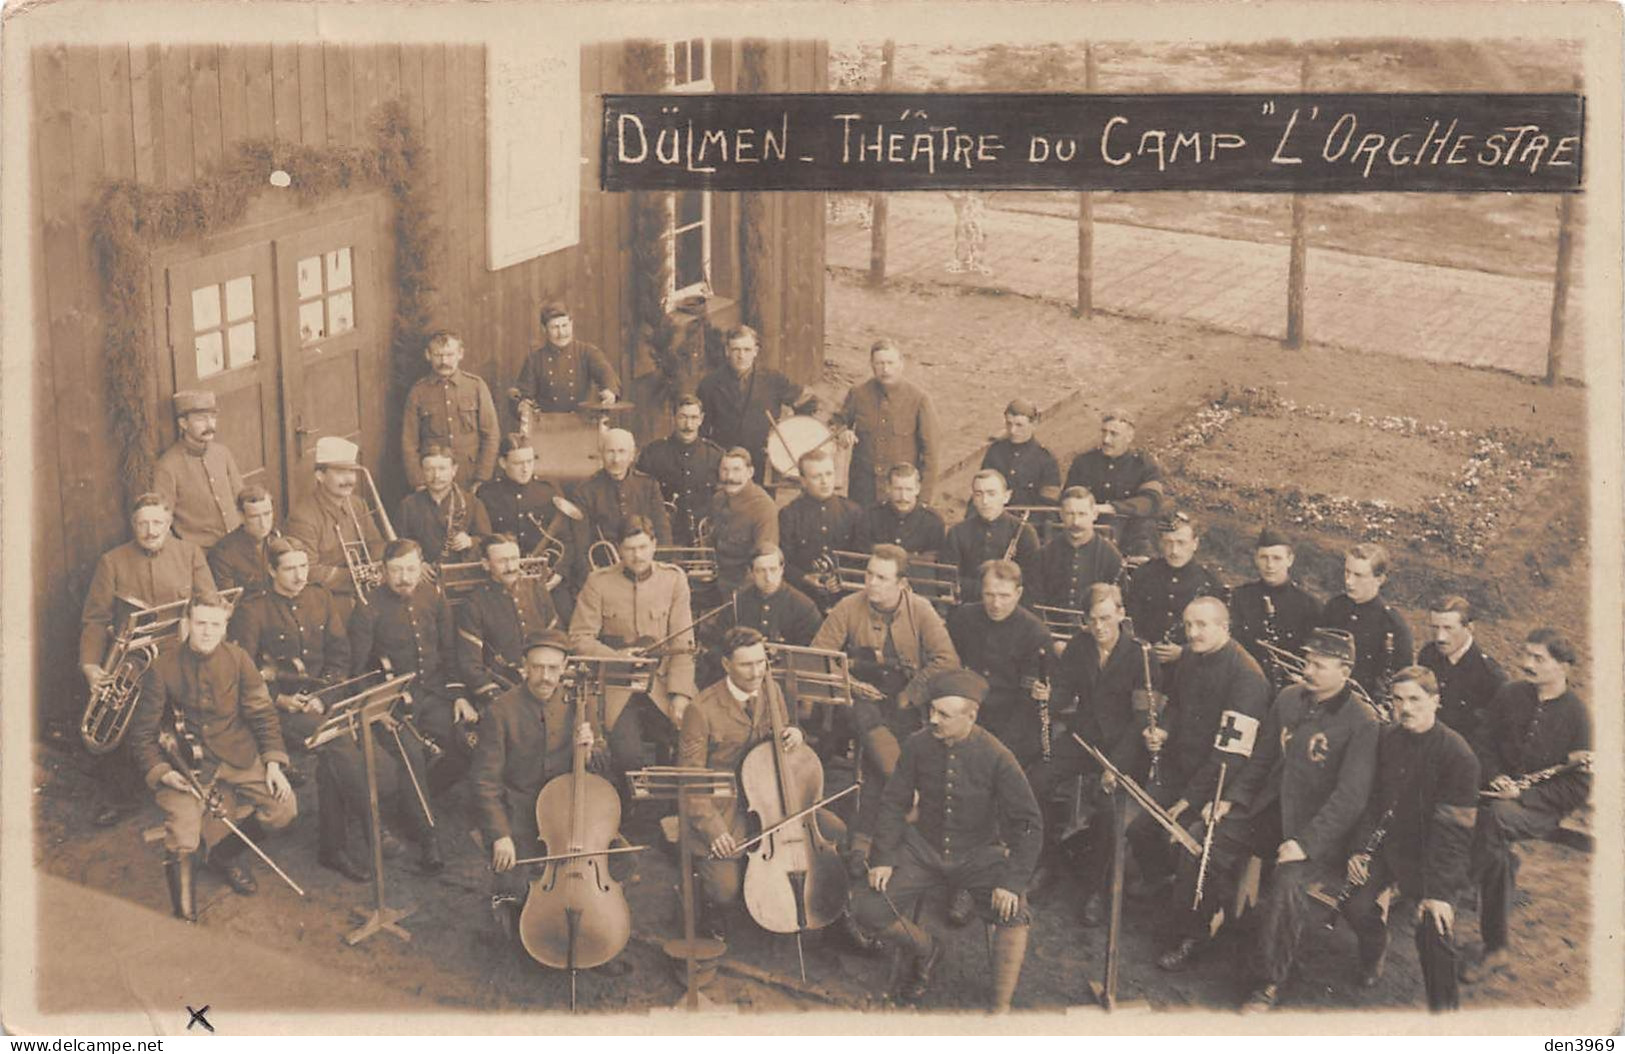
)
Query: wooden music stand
[
  {"x": 816, "y": 675},
  {"x": 684, "y": 785},
  {"x": 1105, "y": 989}
]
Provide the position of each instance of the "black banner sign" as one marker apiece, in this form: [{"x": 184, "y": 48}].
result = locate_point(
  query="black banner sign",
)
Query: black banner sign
[{"x": 1251, "y": 142}]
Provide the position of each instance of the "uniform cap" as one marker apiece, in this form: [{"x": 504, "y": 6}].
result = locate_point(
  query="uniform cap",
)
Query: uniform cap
[
  {"x": 966, "y": 684},
  {"x": 548, "y": 638},
  {"x": 194, "y": 401},
  {"x": 1334, "y": 643},
  {"x": 552, "y": 310},
  {"x": 1269, "y": 537},
  {"x": 1022, "y": 408},
  {"x": 337, "y": 452}
]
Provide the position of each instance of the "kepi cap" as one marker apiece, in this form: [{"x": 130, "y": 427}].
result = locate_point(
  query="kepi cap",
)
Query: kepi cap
[
  {"x": 337, "y": 452},
  {"x": 548, "y": 638},
  {"x": 1333, "y": 643},
  {"x": 966, "y": 684},
  {"x": 553, "y": 309},
  {"x": 194, "y": 401}
]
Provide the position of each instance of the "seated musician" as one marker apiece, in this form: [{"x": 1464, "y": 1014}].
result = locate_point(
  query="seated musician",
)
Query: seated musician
[
  {"x": 239, "y": 560},
  {"x": 442, "y": 516},
  {"x": 742, "y": 398},
  {"x": 1468, "y": 678},
  {"x": 1161, "y": 589},
  {"x": 1126, "y": 480},
  {"x": 407, "y": 628},
  {"x": 988, "y": 533},
  {"x": 897, "y": 641},
  {"x": 153, "y": 568},
  {"x": 521, "y": 506},
  {"x": 744, "y": 518},
  {"x": 1273, "y": 608},
  {"x": 1381, "y": 636},
  {"x": 1424, "y": 802},
  {"x": 1026, "y": 464},
  {"x": 1077, "y": 556},
  {"x": 333, "y": 517},
  {"x": 685, "y": 465},
  {"x": 622, "y": 608},
  {"x": 209, "y": 693},
  {"x": 816, "y": 525},
  {"x": 782, "y": 613},
  {"x": 617, "y": 492},
  {"x": 979, "y": 829},
  {"x": 726, "y": 721},
  {"x": 1294, "y": 803},
  {"x": 900, "y": 519},
  {"x": 1004, "y": 643},
  {"x": 495, "y": 620},
  {"x": 1534, "y": 749},
  {"x": 564, "y": 372}
]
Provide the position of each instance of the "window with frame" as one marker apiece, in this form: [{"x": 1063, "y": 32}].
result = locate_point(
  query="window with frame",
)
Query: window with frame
[{"x": 688, "y": 69}]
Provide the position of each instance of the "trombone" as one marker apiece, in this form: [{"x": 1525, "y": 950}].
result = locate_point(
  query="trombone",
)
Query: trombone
[
  {"x": 1291, "y": 666},
  {"x": 366, "y": 571}
]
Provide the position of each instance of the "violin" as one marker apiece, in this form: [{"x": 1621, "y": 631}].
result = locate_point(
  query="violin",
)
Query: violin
[
  {"x": 575, "y": 915},
  {"x": 794, "y": 878}
]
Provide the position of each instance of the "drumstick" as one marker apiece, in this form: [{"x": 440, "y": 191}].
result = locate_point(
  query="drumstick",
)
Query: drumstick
[{"x": 789, "y": 451}]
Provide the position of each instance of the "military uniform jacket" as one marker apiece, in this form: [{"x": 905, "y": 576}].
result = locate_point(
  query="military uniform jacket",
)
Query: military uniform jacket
[
  {"x": 1157, "y": 595},
  {"x": 614, "y": 610},
  {"x": 457, "y": 412},
  {"x": 1316, "y": 761},
  {"x": 427, "y": 522},
  {"x": 524, "y": 742},
  {"x": 238, "y": 561},
  {"x": 687, "y": 474},
  {"x": 608, "y": 502},
  {"x": 1065, "y": 572},
  {"x": 1521, "y": 734},
  {"x": 1003, "y": 653},
  {"x": 737, "y": 408},
  {"x": 1027, "y": 467},
  {"x": 223, "y": 700},
  {"x": 506, "y": 504},
  {"x": 915, "y": 631},
  {"x": 785, "y": 617},
  {"x": 896, "y": 424},
  {"x": 414, "y": 633},
  {"x": 1382, "y": 640},
  {"x": 1296, "y": 615},
  {"x": 740, "y": 523},
  {"x": 202, "y": 489},
  {"x": 1131, "y": 484},
  {"x": 973, "y": 540},
  {"x": 558, "y": 380},
  {"x": 324, "y": 525},
  {"x": 174, "y": 572},
  {"x": 493, "y": 623},
  {"x": 718, "y": 731},
  {"x": 971, "y": 794},
  {"x": 920, "y": 533},
  {"x": 1203, "y": 688},
  {"x": 1104, "y": 698},
  {"x": 809, "y": 527},
  {"x": 275, "y": 630},
  {"x": 1430, "y": 781},
  {"x": 1466, "y": 688}
]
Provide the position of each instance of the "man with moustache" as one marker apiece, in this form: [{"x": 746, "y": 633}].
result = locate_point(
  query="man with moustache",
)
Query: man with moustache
[
  {"x": 987, "y": 534},
  {"x": 744, "y": 518},
  {"x": 816, "y": 525},
  {"x": 1381, "y": 637},
  {"x": 884, "y": 421},
  {"x": 1125, "y": 480},
  {"x": 564, "y": 372},
  {"x": 686, "y": 466},
  {"x": 1273, "y": 608},
  {"x": 1026, "y": 464},
  {"x": 441, "y": 515},
  {"x": 239, "y": 560},
  {"x": 1468, "y": 678},
  {"x": 331, "y": 517},
  {"x": 742, "y": 399},
  {"x": 197, "y": 476},
  {"x": 1164, "y": 587},
  {"x": 901, "y": 520},
  {"x": 496, "y": 618},
  {"x": 1077, "y": 557},
  {"x": 453, "y": 409},
  {"x": 617, "y": 492},
  {"x": 520, "y": 506},
  {"x": 1425, "y": 800}
]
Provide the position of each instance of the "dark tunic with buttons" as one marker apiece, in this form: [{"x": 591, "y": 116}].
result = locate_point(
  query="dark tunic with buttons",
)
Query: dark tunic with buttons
[
  {"x": 222, "y": 699},
  {"x": 492, "y": 626},
  {"x": 1027, "y": 467},
  {"x": 687, "y": 474},
  {"x": 1065, "y": 571},
  {"x": 506, "y": 504},
  {"x": 1003, "y": 653},
  {"x": 1157, "y": 595},
  {"x": 238, "y": 561},
  {"x": 524, "y": 742},
  {"x": 558, "y": 380},
  {"x": 1131, "y": 484},
  {"x": 737, "y": 408},
  {"x": 974, "y": 540},
  {"x": 414, "y": 633},
  {"x": 456, "y": 412},
  {"x": 428, "y": 522},
  {"x": 1203, "y": 688},
  {"x": 608, "y": 502},
  {"x": 920, "y": 533},
  {"x": 1521, "y": 734},
  {"x": 1466, "y": 688},
  {"x": 1382, "y": 640},
  {"x": 275, "y": 630},
  {"x": 809, "y": 527},
  {"x": 785, "y": 617},
  {"x": 1430, "y": 782},
  {"x": 1296, "y": 615}
]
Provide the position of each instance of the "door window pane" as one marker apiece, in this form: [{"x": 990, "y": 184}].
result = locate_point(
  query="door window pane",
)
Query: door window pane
[
  {"x": 205, "y": 308},
  {"x": 240, "y": 298},
  {"x": 340, "y": 313},
  {"x": 241, "y": 344},
  {"x": 310, "y": 277},
  {"x": 338, "y": 269},
  {"x": 210, "y": 353},
  {"x": 311, "y": 326}
]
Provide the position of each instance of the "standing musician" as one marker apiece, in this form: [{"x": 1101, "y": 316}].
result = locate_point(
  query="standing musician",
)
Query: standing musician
[
  {"x": 564, "y": 372},
  {"x": 886, "y": 420},
  {"x": 744, "y": 518},
  {"x": 409, "y": 626},
  {"x": 1423, "y": 803},
  {"x": 1295, "y": 802},
  {"x": 1077, "y": 556},
  {"x": 1164, "y": 587},
  {"x": 1026, "y": 464},
  {"x": 1273, "y": 608},
  {"x": 1125, "y": 480},
  {"x": 978, "y": 828},
  {"x": 210, "y": 692},
  {"x": 333, "y": 516},
  {"x": 897, "y": 641},
  {"x": 780, "y": 612},
  {"x": 1220, "y": 677},
  {"x": 988, "y": 533},
  {"x": 1004, "y": 643},
  {"x": 617, "y": 492},
  {"x": 197, "y": 476},
  {"x": 899, "y": 519},
  {"x": 1468, "y": 677},
  {"x": 725, "y": 722},
  {"x": 637, "y": 601},
  {"x": 453, "y": 409},
  {"x": 686, "y": 467},
  {"x": 521, "y": 506},
  {"x": 1534, "y": 747},
  {"x": 740, "y": 397},
  {"x": 496, "y": 619},
  {"x": 1381, "y": 637},
  {"x": 815, "y": 525},
  {"x": 153, "y": 568},
  {"x": 239, "y": 560},
  {"x": 441, "y": 516}
]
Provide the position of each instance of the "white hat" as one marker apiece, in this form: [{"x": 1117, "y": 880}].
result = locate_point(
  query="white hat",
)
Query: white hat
[{"x": 337, "y": 452}]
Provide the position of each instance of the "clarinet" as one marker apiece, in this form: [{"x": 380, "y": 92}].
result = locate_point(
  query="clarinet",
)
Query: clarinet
[
  {"x": 1015, "y": 539},
  {"x": 1369, "y": 849},
  {"x": 1535, "y": 779},
  {"x": 1385, "y": 679},
  {"x": 1045, "y": 729}
]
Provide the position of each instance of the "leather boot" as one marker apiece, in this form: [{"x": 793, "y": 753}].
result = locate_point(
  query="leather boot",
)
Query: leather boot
[
  {"x": 1009, "y": 950},
  {"x": 430, "y": 859},
  {"x": 861, "y": 942},
  {"x": 226, "y": 858},
  {"x": 178, "y": 876}
]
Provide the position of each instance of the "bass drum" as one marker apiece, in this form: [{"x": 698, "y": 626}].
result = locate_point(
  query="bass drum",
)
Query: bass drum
[{"x": 792, "y": 437}]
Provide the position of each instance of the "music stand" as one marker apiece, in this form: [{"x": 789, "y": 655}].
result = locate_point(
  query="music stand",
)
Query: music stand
[
  {"x": 684, "y": 785},
  {"x": 816, "y": 675},
  {"x": 1063, "y": 623}
]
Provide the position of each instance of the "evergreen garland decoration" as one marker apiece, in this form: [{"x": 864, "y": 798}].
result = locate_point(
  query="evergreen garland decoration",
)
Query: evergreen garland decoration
[
  {"x": 753, "y": 258},
  {"x": 656, "y": 338}
]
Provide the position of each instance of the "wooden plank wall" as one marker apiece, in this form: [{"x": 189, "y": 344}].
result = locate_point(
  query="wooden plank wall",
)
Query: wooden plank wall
[{"x": 166, "y": 114}]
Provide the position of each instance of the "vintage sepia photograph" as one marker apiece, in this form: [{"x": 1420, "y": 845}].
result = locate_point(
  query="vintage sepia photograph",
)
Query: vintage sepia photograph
[{"x": 1128, "y": 536}]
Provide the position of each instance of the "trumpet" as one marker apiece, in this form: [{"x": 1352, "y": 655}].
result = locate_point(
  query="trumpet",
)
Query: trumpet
[
  {"x": 602, "y": 553},
  {"x": 366, "y": 572}
]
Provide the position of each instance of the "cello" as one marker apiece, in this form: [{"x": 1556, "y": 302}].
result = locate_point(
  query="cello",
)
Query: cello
[{"x": 575, "y": 915}]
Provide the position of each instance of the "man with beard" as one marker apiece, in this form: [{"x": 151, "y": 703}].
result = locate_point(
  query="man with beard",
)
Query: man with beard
[
  {"x": 816, "y": 525},
  {"x": 332, "y": 517},
  {"x": 453, "y": 409},
  {"x": 520, "y": 506},
  {"x": 901, "y": 520},
  {"x": 564, "y": 372},
  {"x": 617, "y": 492},
  {"x": 686, "y": 467},
  {"x": 496, "y": 619},
  {"x": 1163, "y": 588},
  {"x": 1468, "y": 678},
  {"x": 1424, "y": 802},
  {"x": 239, "y": 560},
  {"x": 1078, "y": 557},
  {"x": 1381, "y": 637},
  {"x": 1125, "y": 480},
  {"x": 441, "y": 516},
  {"x": 744, "y": 518},
  {"x": 1273, "y": 609},
  {"x": 987, "y": 534},
  {"x": 886, "y": 420},
  {"x": 742, "y": 399},
  {"x": 1026, "y": 464},
  {"x": 197, "y": 476}
]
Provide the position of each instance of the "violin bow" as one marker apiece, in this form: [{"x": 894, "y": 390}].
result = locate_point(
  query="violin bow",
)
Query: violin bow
[
  {"x": 668, "y": 638},
  {"x": 788, "y": 820}
]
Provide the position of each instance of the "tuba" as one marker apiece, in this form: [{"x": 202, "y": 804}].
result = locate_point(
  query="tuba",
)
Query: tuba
[
  {"x": 366, "y": 570},
  {"x": 550, "y": 548}
]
